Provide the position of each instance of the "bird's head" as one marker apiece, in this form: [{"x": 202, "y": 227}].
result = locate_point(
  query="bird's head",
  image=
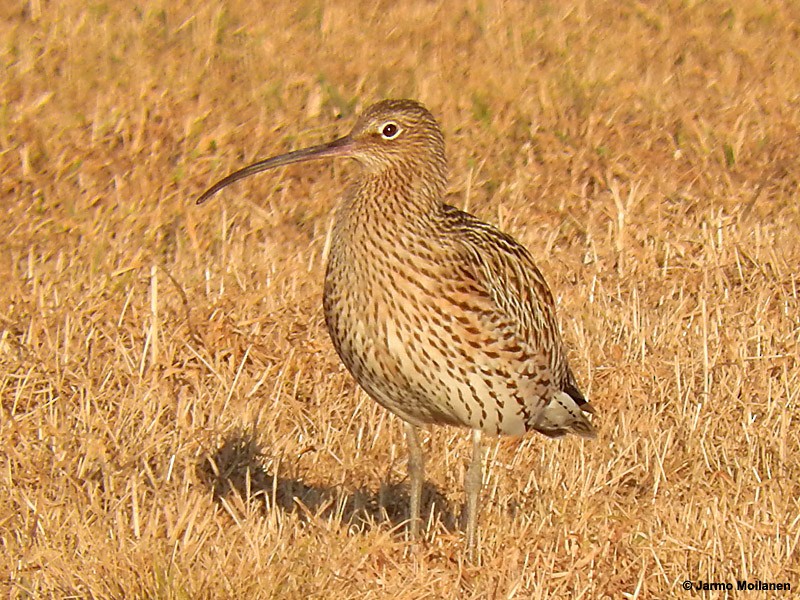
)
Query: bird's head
[{"x": 390, "y": 135}]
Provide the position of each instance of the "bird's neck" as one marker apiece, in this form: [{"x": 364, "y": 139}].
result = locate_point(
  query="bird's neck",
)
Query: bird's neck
[{"x": 398, "y": 197}]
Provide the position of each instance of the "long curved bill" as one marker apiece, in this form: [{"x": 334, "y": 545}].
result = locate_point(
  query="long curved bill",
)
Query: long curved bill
[{"x": 340, "y": 147}]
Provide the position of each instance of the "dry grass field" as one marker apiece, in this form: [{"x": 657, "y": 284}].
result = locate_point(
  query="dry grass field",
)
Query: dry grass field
[{"x": 174, "y": 421}]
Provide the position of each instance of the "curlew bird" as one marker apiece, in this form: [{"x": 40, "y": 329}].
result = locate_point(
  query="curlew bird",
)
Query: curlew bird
[{"x": 440, "y": 317}]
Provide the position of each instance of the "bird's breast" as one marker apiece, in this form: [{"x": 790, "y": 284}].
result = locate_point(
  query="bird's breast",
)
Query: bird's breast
[
  {"x": 377, "y": 302},
  {"x": 418, "y": 336}
]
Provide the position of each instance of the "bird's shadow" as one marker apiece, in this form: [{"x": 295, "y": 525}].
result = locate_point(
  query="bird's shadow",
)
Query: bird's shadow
[{"x": 237, "y": 468}]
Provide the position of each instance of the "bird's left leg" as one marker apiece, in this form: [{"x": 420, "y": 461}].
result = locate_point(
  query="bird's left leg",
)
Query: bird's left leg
[
  {"x": 416, "y": 476},
  {"x": 472, "y": 486}
]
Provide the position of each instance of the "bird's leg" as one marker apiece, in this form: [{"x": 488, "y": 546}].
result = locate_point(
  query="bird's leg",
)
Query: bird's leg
[
  {"x": 472, "y": 486},
  {"x": 415, "y": 474}
]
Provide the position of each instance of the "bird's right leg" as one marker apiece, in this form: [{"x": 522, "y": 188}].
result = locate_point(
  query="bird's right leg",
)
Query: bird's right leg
[{"x": 416, "y": 475}]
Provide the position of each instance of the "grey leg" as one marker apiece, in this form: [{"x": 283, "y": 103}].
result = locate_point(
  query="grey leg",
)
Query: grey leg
[
  {"x": 415, "y": 475},
  {"x": 472, "y": 486}
]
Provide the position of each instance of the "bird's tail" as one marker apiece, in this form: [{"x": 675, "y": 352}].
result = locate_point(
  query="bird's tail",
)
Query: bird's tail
[{"x": 562, "y": 415}]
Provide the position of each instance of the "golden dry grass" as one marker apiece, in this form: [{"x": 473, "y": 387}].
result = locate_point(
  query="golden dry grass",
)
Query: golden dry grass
[{"x": 174, "y": 421}]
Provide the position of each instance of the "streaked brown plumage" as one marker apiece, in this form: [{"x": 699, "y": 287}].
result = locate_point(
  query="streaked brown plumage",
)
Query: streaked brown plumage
[{"x": 440, "y": 317}]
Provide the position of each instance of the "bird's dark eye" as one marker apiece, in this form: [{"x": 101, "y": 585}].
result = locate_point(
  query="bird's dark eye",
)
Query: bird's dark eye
[{"x": 389, "y": 131}]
